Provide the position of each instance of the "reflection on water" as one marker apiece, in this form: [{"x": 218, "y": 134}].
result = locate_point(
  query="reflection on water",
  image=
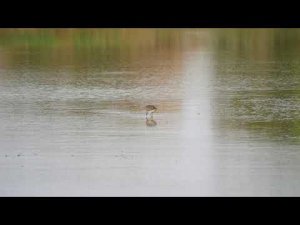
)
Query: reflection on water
[
  {"x": 151, "y": 122},
  {"x": 73, "y": 121}
]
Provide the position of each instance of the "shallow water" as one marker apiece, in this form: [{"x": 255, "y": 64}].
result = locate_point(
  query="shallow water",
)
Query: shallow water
[{"x": 73, "y": 120}]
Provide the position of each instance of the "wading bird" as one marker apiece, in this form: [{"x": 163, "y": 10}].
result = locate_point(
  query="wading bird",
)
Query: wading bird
[{"x": 150, "y": 109}]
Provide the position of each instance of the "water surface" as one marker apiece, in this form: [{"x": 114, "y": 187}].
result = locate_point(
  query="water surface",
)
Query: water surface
[{"x": 73, "y": 121}]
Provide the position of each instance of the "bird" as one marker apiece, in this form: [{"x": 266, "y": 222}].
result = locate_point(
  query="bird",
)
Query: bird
[{"x": 150, "y": 109}]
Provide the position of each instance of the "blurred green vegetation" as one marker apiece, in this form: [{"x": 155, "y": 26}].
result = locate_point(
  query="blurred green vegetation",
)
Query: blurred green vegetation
[
  {"x": 85, "y": 47},
  {"x": 258, "y": 44},
  {"x": 95, "y": 38}
]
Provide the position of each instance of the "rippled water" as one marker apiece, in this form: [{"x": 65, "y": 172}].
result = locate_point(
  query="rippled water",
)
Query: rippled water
[{"x": 73, "y": 120}]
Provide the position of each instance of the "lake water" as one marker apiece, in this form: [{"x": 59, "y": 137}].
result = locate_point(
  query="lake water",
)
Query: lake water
[{"x": 72, "y": 117}]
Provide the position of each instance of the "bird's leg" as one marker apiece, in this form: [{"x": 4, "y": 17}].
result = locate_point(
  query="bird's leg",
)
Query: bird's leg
[
  {"x": 146, "y": 115},
  {"x": 151, "y": 114}
]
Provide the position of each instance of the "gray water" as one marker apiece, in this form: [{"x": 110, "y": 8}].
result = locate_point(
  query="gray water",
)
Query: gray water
[{"x": 73, "y": 120}]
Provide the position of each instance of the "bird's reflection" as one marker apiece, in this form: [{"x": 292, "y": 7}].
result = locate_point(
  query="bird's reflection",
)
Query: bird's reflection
[{"x": 151, "y": 122}]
